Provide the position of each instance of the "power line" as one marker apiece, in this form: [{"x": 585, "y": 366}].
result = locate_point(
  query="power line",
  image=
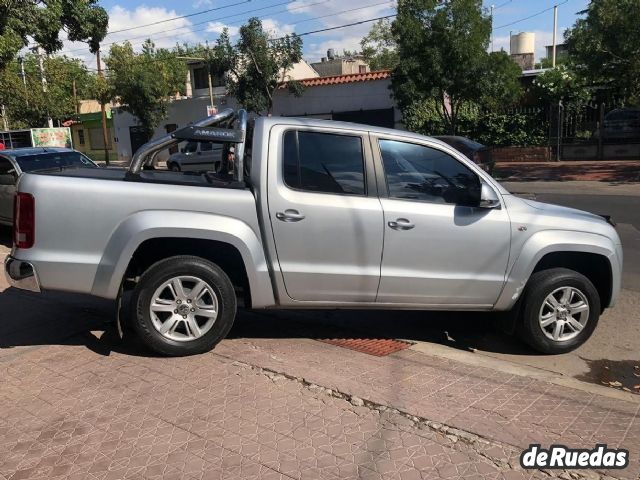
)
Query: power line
[
  {"x": 246, "y": 12},
  {"x": 530, "y": 16},
  {"x": 346, "y": 25},
  {"x": 202, "y": 12}
]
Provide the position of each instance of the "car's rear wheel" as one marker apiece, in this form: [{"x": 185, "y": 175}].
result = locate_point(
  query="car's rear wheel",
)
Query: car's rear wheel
[
  {"x": 560, "y": 311},
  {"x": 174, "y": 167},
  {"x": 183, "y": 306}
]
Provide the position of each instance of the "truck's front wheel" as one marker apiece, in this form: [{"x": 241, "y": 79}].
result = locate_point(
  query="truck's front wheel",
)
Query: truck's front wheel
[
  {"x": 560, "y": 310},
  {"x": 183, "y": 305}
]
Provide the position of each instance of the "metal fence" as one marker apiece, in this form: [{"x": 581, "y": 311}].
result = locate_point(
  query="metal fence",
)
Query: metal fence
[{"x": 594, "y": 131}]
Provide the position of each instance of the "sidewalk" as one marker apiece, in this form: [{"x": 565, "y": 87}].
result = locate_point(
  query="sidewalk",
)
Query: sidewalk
[
  {"x": 260, "y": 406},
  {"x": 615, "y": 172}
]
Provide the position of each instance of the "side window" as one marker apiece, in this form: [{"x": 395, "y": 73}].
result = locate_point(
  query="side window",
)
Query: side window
[
  {"x": 5, "y": 166},
  {"x": 324, "y": 162},
  {"x": 416, "y": 172},
  {"x": 206, "y": 146},
  {"x": 191, "y": 147}
]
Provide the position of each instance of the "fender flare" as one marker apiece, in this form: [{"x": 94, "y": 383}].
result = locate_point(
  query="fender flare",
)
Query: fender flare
[
  {"x": 549, "y": 241},
  {"x": 149, "y": 224}
]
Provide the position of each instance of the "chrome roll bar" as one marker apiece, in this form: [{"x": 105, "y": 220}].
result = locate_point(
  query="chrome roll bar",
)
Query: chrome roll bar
[
  {"x": 149, "y": 149},
  {"x": 240, "y": 148}
]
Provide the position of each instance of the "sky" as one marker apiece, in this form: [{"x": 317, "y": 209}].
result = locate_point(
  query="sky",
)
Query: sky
[{"x": 130, "y": 19}]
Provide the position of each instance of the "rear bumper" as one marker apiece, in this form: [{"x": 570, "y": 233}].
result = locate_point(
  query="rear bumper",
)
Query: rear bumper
[{"x": 21, "y": 274}]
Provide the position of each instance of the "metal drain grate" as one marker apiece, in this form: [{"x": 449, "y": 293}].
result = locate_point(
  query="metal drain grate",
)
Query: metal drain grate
[{"x": 377, "y": 347}]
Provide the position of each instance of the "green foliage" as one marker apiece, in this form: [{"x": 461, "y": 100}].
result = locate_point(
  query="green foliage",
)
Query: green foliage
[
  {"x": 561, "y": 84},
  {"x": 258, "y": 64},
  {"x": 43, "y": 20},
  {"x": 379, "y": 47},
  {"x": 605, "y": 49},
  {"x": 29, "y": 106},
  {"x": 144, "y": 82},
  {"x": 443, "y": 48}
]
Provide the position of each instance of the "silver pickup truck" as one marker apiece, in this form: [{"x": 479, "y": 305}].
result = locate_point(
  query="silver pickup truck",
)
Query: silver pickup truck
[{"x": 316, "y": 215}]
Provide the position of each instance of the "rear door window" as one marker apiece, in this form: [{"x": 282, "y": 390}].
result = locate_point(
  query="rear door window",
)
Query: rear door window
[{"x": 324, "y": 162}]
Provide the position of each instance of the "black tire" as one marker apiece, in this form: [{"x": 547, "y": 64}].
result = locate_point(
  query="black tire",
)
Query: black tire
[
  {"x": 183, "y": 266},
  {"x": 540, "y": 286},
  {"x": 174, "y": 167}
]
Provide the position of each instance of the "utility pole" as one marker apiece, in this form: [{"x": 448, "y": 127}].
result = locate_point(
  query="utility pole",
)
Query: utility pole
[
  {"x": 43, "y": 80},
  {"x": 555, "y": 28},
  {"x": 492, "y": 8},
  {"x": 24, "y": 80},
  {"x": 75, "y": 96},
  {"x": 5, "y": 123},
  {"x": 103, "y": 112},
  {"x": 208, "y": 65}
]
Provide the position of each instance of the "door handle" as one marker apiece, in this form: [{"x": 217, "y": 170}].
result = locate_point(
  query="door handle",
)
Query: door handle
[
  {"x": 290, "y": 215},
  {"x": 401, "y": 224}
]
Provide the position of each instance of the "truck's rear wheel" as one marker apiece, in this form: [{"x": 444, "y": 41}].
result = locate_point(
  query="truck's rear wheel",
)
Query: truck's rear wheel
[
  {"x": 183, "y": 305},
  {"x": 560, "y": 311}
]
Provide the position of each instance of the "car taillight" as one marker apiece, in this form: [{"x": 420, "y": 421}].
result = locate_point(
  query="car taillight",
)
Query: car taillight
[{"x": 24, "y": 220}]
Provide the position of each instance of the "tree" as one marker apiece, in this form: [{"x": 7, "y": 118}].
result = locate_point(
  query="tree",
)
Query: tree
[
  {"x": 42, "y": 21},
  {"x": 561, "y": 84},
  {"x": 144, "y": 82},
  {"x": 379, "y": 47},
  {"x": 604, "y": 46},
  {"x": 28, "y": 105},
  {"x": 258, "y": 64},
  {"x": 500, "y": 82},
  {"x": 443, "y": 48}
]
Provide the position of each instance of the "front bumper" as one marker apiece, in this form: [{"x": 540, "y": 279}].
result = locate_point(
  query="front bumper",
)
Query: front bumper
[{"x": 21, "y": 274}]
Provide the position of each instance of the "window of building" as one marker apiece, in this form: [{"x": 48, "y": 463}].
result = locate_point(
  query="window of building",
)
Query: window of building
[
  {"x": 324, "y": 162},
  {"x": 362, "y": 69},
  {"x": 81, "y": 136},
  {"x": 201, "y": 80},
  {"x": 417, "y": 172}
]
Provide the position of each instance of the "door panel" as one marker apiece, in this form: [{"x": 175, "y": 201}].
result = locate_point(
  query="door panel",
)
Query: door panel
[
  {"x": 437, "y": 251},
  {"x": 328, "y": 244},
  {"x": 452, "y": 255}
]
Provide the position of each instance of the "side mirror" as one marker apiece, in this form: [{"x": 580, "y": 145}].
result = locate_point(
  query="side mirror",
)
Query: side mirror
[
  {"x": 488, "y": 197},
  {"x": 7, "y": 179}
]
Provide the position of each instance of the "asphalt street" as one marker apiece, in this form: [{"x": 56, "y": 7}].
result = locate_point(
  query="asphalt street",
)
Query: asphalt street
[{"x": 610, "y": 355}]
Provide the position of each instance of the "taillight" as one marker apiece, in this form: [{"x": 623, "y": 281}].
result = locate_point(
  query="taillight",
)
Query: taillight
[{"x": 24, "y": 220}]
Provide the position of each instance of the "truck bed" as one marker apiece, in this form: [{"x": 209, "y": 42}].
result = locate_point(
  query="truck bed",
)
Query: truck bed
[{"x": 147, "y": 176}]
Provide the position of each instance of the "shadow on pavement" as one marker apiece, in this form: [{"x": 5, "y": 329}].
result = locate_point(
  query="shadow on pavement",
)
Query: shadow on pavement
[
  {"x": 68, "y": 319},
  {"x": 468, "y": 331}
]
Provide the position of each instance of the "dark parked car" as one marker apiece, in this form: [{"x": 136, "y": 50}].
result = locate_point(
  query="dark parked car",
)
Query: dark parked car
[
  {"x": 15, "y": 162},
  {"x": 474, "y": 151},
  {"x": 622, "y": 124}
]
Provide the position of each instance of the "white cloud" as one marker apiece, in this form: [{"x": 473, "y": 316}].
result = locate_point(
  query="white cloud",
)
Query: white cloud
[
  {"x": 276, "y": 29},
  {"x": 218, "y": 27},
  {"x": 164, "y": 35},
  {"x": 334, "y": 13},
  {"x": 202, "y": 3}
]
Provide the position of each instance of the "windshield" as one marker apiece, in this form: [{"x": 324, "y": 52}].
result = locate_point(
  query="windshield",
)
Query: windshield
[{"x": 47, "y": 160}]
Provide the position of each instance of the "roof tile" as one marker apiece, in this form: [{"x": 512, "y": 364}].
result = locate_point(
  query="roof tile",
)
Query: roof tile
[{"x": 339, "y": 79}]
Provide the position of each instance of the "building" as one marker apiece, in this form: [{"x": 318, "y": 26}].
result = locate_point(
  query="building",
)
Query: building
[
  {"x": 86, "y": 129},
  {"x": 362, "y": 97},
  {"x": 561, "y": 51},
  {"x": 522, "y": 47},
  {"x": 332, "y": 65},
  {"x": 197, "y": 82}
]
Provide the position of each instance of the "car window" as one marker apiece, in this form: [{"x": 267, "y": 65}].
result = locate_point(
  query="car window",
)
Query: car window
[
  {"x": 417, "y": 172},
  {"x": 206, "y": 146},
  {"x": 44, "y": 161},
  {"x": 324, "y": 162},
  {"x": 191, "y": 147},
  {"x": 5, "y": 166}
]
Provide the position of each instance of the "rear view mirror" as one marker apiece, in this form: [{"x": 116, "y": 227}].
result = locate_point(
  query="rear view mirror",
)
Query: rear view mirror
[
  {"x": 7, "y": 179},
  {"x": 488, "y": 197}
]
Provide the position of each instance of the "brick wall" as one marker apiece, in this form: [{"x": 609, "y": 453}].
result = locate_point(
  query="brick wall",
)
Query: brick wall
[{"x": 521, "y": 154}]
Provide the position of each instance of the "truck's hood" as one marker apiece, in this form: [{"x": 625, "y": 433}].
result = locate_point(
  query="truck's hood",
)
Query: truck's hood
[{"x": 559, "y": 211}]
